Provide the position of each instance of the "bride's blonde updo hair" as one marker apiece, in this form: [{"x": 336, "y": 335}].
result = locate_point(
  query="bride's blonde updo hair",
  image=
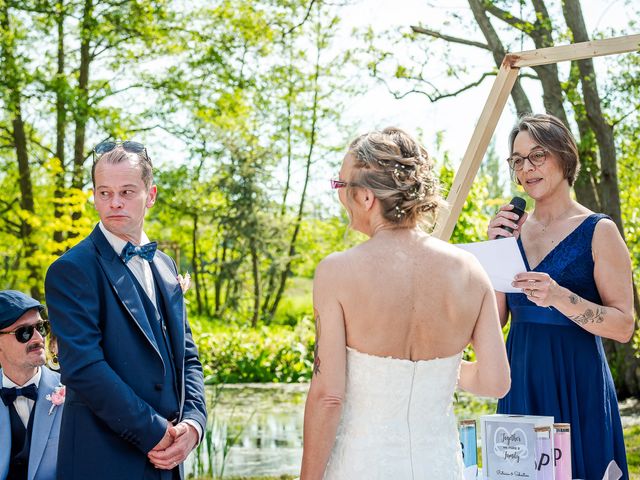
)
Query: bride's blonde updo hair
[{"x": 397, "y": 169}]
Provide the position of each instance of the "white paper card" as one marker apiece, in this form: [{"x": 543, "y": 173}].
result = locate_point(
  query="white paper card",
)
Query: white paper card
[
  {"x": 471, "y": 472},
  {"x": 501, "y": 259}
]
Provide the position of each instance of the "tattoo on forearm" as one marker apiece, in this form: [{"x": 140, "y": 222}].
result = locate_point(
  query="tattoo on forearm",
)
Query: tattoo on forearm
[
  {"x": 316, "y": 356},
  {"x": 574, "y": 299},
  {"x": 589, "y": 316}
]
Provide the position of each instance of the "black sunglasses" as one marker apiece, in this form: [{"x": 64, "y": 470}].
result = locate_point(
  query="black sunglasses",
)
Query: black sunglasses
[
  {"x": 25, "y": 333},
  {"x": 127, "y": 146}
]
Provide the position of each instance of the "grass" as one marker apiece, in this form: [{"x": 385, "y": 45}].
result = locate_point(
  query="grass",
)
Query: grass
[{"x": 632, "y": 442}]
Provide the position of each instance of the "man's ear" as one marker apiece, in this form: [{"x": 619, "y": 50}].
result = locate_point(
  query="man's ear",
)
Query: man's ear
[{"x": 151, "y": 197}]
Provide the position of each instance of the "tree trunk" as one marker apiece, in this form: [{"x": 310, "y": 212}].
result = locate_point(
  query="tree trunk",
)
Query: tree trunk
[
  {"x": 586, "y": 182},
  {"x": 12, "y": 77},
  {"x": 610, "y": 195},
  {"x": 256, "y": 283},
  {"x": 298, "y": 221},
  {"x": 621, "y": 356},
  {"x": 497, "y": 49},
  {"x": 289, "y": 100},
  {"x": 217, "y": 286},
  {"x": 194, "y": 263},
  {"x": 59, "y": 193},
  {"x": 82, "y": 109}
]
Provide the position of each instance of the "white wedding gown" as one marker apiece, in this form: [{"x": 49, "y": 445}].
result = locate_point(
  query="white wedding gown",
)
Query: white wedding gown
[{"x": 397, "y": 420}]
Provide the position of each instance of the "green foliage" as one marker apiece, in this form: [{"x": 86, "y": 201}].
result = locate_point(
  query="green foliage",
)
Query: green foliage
[
  {"x": 44, "y": 222},
  {"x": 297, "y": 303},
  {"x": 632, "y": 444},
  {"x": 69, "y": 70},
  {"x": 250, "y": 90},
  {"x": 256, "y": 128},
  {"x": 236, "y": 354},
  {"x": 478, "y": 208}
]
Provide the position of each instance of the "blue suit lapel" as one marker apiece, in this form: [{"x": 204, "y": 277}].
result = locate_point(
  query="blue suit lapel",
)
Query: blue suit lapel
[
  {"x": 120, "y": 279},
  {"x": 173, "y": 300},
  {"x": 5, "y": 438},
  {"x": 42, "y": 421}
]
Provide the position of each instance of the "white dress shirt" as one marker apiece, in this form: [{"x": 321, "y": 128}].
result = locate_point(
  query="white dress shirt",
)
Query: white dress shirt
[
  {"x": 138, "y": 265},
  {"x": 142, "y": 271},
  {"x": 23, "y": 405}
]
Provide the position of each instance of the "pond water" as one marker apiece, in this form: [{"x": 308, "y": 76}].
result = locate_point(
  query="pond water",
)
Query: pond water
[{"x": 256, "y": 429}]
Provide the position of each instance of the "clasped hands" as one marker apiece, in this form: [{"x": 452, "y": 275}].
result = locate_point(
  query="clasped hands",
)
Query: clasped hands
[{"x": 173, "y": 448}]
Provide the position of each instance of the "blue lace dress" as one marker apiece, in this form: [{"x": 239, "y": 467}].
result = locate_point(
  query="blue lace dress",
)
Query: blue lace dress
[{"x": 560, "y": 369}]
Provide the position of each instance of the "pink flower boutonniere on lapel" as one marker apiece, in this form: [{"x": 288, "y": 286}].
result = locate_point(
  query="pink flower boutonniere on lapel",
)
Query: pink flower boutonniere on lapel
[
  {"x": 56, "y": 397},
  {"x": 185, "y": 282}
]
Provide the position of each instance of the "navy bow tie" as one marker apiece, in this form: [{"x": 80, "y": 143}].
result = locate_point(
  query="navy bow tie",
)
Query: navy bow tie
[
  {"x": 10, "y": 394},
  {"x": 144, "y": 251}
]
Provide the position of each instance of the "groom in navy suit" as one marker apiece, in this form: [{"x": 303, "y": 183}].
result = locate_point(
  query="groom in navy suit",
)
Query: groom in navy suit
[
  {"x": 29, "y": 421},
  {"x": 135, "y": 393}
]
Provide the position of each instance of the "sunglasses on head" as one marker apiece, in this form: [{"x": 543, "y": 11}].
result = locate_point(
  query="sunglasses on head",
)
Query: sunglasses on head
[
  {"x": 127, "y": 146},
  {"x": 25, "y": 333}
]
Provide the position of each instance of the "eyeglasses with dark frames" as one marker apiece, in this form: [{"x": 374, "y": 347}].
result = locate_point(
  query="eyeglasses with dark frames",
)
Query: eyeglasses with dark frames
[
  {"x": 127, "y": 145},
  {"x": 25, "y": 333},
  {"x": 536, "y": 158}
]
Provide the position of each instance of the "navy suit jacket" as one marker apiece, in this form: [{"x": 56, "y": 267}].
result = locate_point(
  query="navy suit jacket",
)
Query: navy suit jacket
[
  {"x": 110, "y": 361},
  {"x": 44, "y": 436}
]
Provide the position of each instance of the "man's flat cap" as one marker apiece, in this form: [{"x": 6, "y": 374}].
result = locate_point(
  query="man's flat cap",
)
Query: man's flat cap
[{"x": 13, "y": 305}]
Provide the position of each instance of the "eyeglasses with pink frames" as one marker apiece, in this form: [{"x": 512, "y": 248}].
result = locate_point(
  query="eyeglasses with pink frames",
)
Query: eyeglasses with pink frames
[{"x": 335, "y": 184}]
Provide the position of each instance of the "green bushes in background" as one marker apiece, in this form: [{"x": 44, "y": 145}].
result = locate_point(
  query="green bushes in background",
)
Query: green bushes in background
[{"x": 240, "y": 354}]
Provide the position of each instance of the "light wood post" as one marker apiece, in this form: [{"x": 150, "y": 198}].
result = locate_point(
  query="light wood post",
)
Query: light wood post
[
  {"x": 495, "y": 105},
  {"x": 475, "y": 151}
]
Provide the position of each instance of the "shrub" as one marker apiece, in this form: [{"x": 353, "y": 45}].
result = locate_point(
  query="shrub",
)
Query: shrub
[{"x": 236, "y": 354}]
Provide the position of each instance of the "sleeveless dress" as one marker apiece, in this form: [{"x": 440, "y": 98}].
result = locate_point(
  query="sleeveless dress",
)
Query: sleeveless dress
[
  {"x": 397, "y": 420},
  {"x": 560, "y": 369}
]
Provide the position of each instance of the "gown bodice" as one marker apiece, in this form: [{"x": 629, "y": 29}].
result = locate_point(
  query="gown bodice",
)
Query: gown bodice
[{"x": 397, "y": 420}]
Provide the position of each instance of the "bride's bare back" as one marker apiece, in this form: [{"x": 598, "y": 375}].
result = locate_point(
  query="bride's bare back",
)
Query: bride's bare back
[
  {"x": 401, "y": 294},
  {"x": 407, "y": 295}
]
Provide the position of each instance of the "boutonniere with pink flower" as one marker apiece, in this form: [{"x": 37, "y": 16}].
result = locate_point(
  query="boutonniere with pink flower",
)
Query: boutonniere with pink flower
[
  {"x": 56, "y": 397},
  {"x": 185, "y": 282}
]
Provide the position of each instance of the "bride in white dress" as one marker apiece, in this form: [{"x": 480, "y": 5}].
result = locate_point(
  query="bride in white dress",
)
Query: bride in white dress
[{"x": 393, "y": 315}]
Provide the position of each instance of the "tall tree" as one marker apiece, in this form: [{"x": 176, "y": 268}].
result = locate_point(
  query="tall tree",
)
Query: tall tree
[
  {"x": 63, "y": 68},
  {"x": 258, "y": 95},
  {"x": 576, "y": 97}
]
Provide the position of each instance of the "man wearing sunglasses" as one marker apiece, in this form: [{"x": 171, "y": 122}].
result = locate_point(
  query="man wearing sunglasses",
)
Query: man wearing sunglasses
[
  {"x": 135, "y": 392},
  {"x": 29, "y": 427}
]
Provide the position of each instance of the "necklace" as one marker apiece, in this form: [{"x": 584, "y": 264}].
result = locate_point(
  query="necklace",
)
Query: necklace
[{"x": 544, "y": 227}]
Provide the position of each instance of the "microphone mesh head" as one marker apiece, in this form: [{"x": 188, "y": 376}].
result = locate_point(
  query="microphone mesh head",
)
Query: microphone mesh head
[{"x": 519, "y": 203}]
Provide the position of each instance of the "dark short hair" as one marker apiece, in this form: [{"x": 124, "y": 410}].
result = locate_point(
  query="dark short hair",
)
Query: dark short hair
[
  {"x": 119, "y": 155},
  {"x": 553, "y": 135}
]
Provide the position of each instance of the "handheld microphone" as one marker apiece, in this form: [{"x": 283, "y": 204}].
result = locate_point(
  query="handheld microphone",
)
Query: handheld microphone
[{"x": 519, "y": 205}]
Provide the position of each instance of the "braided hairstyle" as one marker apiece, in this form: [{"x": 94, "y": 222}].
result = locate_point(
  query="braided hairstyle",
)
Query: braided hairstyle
[{"x": 399, "y": 172}]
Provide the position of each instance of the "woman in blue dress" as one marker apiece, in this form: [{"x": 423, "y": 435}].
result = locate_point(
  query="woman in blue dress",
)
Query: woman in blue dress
[{"x": 577, "y": 289}]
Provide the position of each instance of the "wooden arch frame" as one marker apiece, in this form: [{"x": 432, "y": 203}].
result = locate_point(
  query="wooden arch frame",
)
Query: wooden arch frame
[{"x": 495, "y": 105}]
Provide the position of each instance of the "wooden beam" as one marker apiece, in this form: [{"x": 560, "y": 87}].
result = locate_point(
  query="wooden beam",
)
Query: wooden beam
[
  {"x": 475, "y": 151},
  {"x": 575, "y": 51}
]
